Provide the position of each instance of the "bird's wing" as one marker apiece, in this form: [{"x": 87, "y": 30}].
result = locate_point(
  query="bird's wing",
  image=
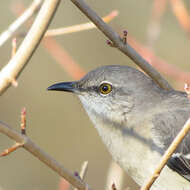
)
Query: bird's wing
[
  {"x": 180, "y": 164},
  {"x": 166, "y": 126}
]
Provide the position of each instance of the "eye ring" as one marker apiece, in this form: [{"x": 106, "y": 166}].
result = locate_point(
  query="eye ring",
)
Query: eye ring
[{"x": 105, "y": 88}]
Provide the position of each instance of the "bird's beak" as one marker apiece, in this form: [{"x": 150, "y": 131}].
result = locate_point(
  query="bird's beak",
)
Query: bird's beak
[{"x": 63, "y": 86}]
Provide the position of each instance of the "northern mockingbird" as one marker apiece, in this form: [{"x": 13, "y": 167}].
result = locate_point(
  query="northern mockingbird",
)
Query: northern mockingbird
[{"x": 137, "y": 120}]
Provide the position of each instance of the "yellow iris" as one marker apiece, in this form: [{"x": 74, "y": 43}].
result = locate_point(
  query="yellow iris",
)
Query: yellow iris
[{"x": 105, "y": 88}]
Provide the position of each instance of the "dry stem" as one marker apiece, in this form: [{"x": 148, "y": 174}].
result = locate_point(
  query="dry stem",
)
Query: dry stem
[
  {"x": 11, "y": 149},
  {"x": 83, "y": 170},
  {"x": 12, "y": 70},
  {"x": 184, "y": 131},
  {"x": 31, "y": 147},
  {"x": 125, "y": 48},
  {"x": 79, "y": 27},
  {"x": 20, "y": 21}
]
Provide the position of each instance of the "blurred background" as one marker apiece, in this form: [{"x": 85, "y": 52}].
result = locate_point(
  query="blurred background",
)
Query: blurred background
[{"x": 56, "y": 121}]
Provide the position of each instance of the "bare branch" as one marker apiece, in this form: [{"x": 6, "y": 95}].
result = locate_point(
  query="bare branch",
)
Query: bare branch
[
  {"x": 184, "y": 131},
  {"x": 23, "y": 121},
  {"x": 79, "y": 27},
  {"x": 83, "y": 170},
  {"x": 31, "y": 147},
  {"x": 125, "y": 48},
  {"x": 23, "y": 132},
  {"x": 12, "y": 70},
  {"x": 20, "y": 21},
  {"x": 11, "y": 149}
]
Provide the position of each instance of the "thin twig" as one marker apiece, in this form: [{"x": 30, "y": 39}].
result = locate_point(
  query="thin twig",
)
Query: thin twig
[
  {"x": 13, "y": 52},
  {"x": 12, "y": 70},
  {"x": 31, "y": 147},
  {"x": 23, "y": 132},
  {"x": 14, "y": 46},
  {"x": 11, "y": 149},
  {"x": 83, "y": 171},
  {"x": 125, "y": 48},
  {"x": 184, "y": 131},
  {"x": 60, "y": 55},
  {"x": 23, "y": 121},
  {"x": 76, "y": 28},
  {"x": 20, "y": 21},
  {"x": 79, "y": 27},
  {"x": 181, "y": 14}
]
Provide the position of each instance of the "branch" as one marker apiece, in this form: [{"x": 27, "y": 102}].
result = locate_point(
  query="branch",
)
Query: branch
[
  {"x": 124, "y": 48},
  {"x": 79, "y": 27},
  {"x": 20, "y": 21},
  {"x": 12, "y": 70},
  {"x": 184, "y": 131},
  {"x": 83, "y": 171},
  {"x": 30, "y": 146},
  {"x": 181, "y": 13},
  {"x": 160, "y": 64}
]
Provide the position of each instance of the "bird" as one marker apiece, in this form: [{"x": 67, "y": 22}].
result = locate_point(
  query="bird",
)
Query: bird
[{"x": 137, "y": 120}]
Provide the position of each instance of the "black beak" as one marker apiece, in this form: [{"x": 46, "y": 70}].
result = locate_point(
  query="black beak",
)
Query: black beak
[{"x": 63, "y": 86}]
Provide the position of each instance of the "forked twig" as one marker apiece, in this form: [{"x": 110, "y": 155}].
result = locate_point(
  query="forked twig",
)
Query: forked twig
[
  {"x": 11, "y": 149},
  {"x": 12, "y": 70},
  {"x": 31, "y": 147},
  {"x": 23, "y": 129}
]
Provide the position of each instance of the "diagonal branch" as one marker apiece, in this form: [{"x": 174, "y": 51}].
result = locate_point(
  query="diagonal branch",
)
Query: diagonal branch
[
  {"x": 12, "y": 70},
  {"x": 31, "y": 147},
  {"x": 124, "y": 48},
  {"x": 184, "y": 131},
  {"x": 20, "y": 21}
]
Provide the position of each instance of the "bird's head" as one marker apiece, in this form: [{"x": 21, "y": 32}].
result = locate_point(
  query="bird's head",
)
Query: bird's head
[{"x": 110, "y": 92}]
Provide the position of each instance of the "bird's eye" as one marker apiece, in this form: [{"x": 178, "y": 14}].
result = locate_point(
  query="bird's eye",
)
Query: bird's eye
[{"x": 105, "y": 88}]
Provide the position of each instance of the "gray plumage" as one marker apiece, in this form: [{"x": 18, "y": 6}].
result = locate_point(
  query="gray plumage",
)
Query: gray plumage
[{"x": 137, "y": 121}]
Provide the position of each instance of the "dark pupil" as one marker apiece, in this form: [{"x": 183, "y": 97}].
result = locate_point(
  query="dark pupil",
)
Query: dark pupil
[{"x": 105, "y": 88}]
